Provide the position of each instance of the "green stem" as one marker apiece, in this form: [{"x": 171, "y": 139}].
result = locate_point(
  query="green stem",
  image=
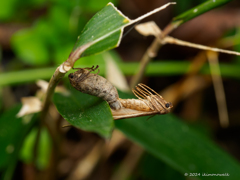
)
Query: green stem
[{"x": 162, "y": 68}]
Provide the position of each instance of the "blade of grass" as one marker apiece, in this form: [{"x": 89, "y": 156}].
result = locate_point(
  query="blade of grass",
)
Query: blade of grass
[{"x": 163, "y": 68}]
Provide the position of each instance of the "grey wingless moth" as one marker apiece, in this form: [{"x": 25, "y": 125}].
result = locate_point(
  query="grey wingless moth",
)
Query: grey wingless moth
[{"x": 148, "y": 103}]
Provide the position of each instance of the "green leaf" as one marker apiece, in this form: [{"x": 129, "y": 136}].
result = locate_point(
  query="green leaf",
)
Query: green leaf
[
  {"x": 12, "y": 133},
  {"x": 44, "y": 151},
  {"x": 7, "y": 9},
  {"x": 198, "y": 10},
  {"x": 152, "y": 168},
  {"x": 108, "y": 20},
  {"x": 30, "y": 47},
  {"x": 86, "y": 112},
  {"x": 178, "y": 145}
]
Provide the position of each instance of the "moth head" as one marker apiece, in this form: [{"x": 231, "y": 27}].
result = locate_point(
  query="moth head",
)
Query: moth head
[
  {"x": 70, "y": 76},
  {"x": 161, "y": 104},
  {"x": 74, "y": 77},
  {"x": 168, "y": 105}
]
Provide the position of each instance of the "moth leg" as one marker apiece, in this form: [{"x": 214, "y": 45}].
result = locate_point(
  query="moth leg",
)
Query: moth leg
[
  {"x": 141, "y": 91},
  {"x": 151, "y": 117},
  {"x": 86, "y": 68},
  {"x": 137, "y": 94},
  {"x": 96, "y": 68},
  {"x": 84, "y": 75},
  {"x": 91, "y": 69},
  {"x": 143, "y": 85}
]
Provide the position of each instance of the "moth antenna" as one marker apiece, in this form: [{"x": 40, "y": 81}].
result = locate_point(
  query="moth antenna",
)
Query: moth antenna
[
  {"x": 150, "y": 89},
  {"x": 136, "y": 94}
]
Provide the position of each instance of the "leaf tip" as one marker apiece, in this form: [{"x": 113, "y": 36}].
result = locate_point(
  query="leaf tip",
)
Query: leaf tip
[{"x": 110, "y": 4}]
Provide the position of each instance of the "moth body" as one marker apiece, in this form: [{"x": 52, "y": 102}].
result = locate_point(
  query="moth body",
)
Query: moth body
[
  {"x": 137, "y": 104},
  {"x": 95, "y": 85}
]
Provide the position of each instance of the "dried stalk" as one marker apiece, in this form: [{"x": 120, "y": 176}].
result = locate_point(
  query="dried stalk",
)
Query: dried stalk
[
  {"x": 172, "y": 40},
  {"x": 218, "y": 88}
]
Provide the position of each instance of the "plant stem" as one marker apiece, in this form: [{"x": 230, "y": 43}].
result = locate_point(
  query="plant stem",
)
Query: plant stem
[
  {"x": 57, "y": 76},
  {"x": 150, "y": 53}
]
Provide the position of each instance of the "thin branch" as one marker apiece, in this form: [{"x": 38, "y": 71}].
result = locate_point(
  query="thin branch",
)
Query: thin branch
[{"x": 57, "y": 76}]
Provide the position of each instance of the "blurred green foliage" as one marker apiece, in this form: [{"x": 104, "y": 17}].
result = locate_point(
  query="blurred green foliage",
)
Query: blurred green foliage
[
  {"x": 50, "y": 36},
  {"x": 44, "y": 151}
]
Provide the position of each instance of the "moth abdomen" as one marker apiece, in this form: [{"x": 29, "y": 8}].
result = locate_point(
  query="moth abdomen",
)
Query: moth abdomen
[
  {"x": 95, "y": 85},
  {"x": 137, "y": 104}
]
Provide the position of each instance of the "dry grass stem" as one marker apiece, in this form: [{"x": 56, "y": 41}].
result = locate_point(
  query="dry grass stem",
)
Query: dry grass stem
[
  {"x": 172, "y": 40},
  {"x": 218, "y": 88}
]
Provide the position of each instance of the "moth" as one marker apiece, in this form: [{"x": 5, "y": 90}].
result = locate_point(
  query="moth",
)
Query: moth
[{"x": 149, "y": 102}]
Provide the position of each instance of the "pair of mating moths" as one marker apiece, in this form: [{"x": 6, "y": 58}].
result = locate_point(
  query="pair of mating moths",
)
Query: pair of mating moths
[{"x": 148, "y": 103}]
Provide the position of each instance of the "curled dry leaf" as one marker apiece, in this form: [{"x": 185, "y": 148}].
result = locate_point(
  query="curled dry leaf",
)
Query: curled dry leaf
[
  {"x": 148, "y": 28},
  {"x": 30, "y": 105},
  {"x": 44, "y": 85},
  {"x": 33, "y": 104}
]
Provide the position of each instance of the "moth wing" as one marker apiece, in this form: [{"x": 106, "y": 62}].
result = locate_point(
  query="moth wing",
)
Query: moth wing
[{"x": 124, "y": 113}]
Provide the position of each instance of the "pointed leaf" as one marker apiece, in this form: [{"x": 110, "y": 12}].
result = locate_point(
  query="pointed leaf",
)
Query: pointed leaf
[{"x": 108, "y": 20}]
